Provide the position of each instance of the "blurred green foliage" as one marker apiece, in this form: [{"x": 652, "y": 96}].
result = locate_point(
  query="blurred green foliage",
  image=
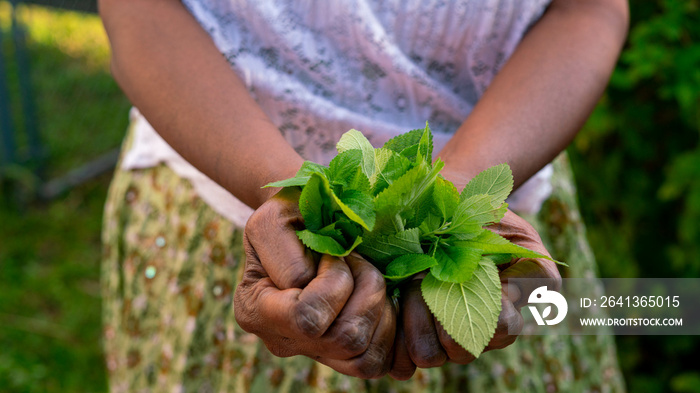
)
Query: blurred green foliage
[
  {"x": 637, "y": 163},
  {"x": 49, "y": 252}
]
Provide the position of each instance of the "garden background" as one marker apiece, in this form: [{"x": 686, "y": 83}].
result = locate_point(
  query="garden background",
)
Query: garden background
[{"x": 637, "y": 163}]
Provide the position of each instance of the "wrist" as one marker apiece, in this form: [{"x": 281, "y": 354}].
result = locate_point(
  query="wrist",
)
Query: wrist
[
  {"x": 457, "y": 169},
  {"x": 457, "y": 176},
  {"x": 280, "y": 172}
]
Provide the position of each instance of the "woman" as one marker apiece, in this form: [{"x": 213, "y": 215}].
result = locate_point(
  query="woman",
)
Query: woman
[{"x": 303, "y": 74}]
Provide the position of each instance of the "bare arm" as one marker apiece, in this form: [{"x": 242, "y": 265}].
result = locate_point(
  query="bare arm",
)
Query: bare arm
[
  {"x": 544, "y": 93},
  {"x": 171, "y": 70}
]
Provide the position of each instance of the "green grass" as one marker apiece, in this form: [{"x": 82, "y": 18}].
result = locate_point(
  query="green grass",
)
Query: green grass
[
  {"x": 49, "y": 252},
  {"x": 81, "y": 112}
]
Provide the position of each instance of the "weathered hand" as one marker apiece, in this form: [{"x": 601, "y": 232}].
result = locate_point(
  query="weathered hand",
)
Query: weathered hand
[
  {"x": 334, "y": 310},
  {"x": 421, "y": 341}
]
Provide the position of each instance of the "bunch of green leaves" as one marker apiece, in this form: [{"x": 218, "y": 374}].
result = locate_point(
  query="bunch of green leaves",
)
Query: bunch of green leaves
[{"x": 392, "y": 205}]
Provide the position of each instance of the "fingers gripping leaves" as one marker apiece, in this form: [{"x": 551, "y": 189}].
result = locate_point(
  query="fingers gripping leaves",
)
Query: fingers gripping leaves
[{"x": 394, "y": 207}]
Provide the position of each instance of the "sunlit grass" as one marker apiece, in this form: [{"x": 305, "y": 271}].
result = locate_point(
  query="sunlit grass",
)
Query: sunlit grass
[
  {"x": 77, "y": 35},
  {"x": 81, "y": 112}
]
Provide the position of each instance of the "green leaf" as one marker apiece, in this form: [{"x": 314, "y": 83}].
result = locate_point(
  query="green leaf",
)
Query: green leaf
[
  {"x": 408, "y": 196},
  {"x": 330, "y": 230},
  {"x": 425, "y": 146},
  {"x": 382, "y": 248},
  {"x": 389, "y": 204},
  {"x": 478, "y": 211},
  {"x": 291, "y": 182},
  {"x": 455, "y": 264},
  {"x": 496, "y": 181},
  {"x": 308, "y": 168},
  {"x": 410, "y": 153},
  {"x": 389, "y": 166},
  {"x": 499, "y": 259},
  {"x": 350, "y": 230},
  {"x": 302, "y": 176},
  {"x": 468, "y": 311},
  {"x": 360, "y": 207},
  {"x": 317, "y": 209},
  {"x": 381, "y": 158},
  {"x": 445, "y": 198},
  {"x": 338, "y": 204},
  {"x": 314, "y": 203},
  {"x": 401, "y": 142},
  {"x": 354, "y": 140},
  {"x": 407, "y": 265},
  {"x": 344, "y": 164},
  {"x": 325, "y": 244},
  {"x": 431, "y": 223},
  {"x": 492, "y": 243},
  {"x": 468, "y": 232},
  {"x": 346, "y": 169},
  {"x": 336, "y": 231}
]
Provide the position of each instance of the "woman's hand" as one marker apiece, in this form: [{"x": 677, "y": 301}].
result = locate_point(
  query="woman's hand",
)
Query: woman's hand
[
  {"x": 421, "y": 341},
  {"x": 334, "y": 310}
]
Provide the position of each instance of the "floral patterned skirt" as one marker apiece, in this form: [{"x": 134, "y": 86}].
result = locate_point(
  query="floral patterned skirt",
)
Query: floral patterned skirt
[{"x": 170, "y": 267}]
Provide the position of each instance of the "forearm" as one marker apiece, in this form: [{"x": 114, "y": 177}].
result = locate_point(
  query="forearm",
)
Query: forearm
[
  {"x": 543, "y": 94},
  {"x": 171, "y": 70}
]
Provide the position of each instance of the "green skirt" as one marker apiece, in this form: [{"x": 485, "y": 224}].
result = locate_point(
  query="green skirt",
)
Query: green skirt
[{"x": 170, "y": 267}]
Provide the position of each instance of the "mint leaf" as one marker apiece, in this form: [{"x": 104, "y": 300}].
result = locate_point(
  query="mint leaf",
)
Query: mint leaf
[
  {"x": 407, "y": 265},
  {"x": 389, "y": 166},
  {"x": 425, "y": 146},
  {"x": 345, "y": 164},
  {"x": 496, "y": 181},
  {"x": 383, "y": 248},
  {"x": 325, "y": 244},
  {"x": 313, "y": 203},
  {"x": 492, "y": 243},
  {"x": 302, "y": 176},
  {"x": 350, "y": 230},
  {"x": 331, "y": 231},
  {"x": 474, "y": 231},
  {"x": 477, "y": 210},
  {"x": 445, "y": 198},
  {"x": 392, "y": 205},
  {"x": 354, "y": 140},
  {"x": 499, "y": 259},
  {"x": 346, "y": 169},
  {"x": 360, "y": 207},
  {"x": 410, "y": 152},
  {"x": 432, "y": 223},
  {"x": 455, "y": 264},
  {"x": 308, "y": 168},
  {"x": 468, "y": 311},
  {"x": 401, "y": 142},
  {"x": 362, "y": 211},
  {"x": 408, "y": 196},
  {"x": 291, "y": 182}
]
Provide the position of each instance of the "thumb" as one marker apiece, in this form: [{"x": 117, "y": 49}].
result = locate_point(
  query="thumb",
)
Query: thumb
[{"x": 270, "y": 235}]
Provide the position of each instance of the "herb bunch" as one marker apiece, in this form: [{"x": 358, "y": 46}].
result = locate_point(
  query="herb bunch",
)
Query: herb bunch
[{"x": 392, "y": 205}]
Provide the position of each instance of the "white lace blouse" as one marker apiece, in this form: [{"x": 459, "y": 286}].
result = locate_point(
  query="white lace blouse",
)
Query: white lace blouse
[{"x": 319, "y": 68}]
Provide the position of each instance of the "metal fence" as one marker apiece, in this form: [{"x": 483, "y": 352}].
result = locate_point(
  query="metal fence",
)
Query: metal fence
[
  {"x": 21, "y": 149},
  {"x": 9, "y": 149},
  {"x": 75, "y": 5}
]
